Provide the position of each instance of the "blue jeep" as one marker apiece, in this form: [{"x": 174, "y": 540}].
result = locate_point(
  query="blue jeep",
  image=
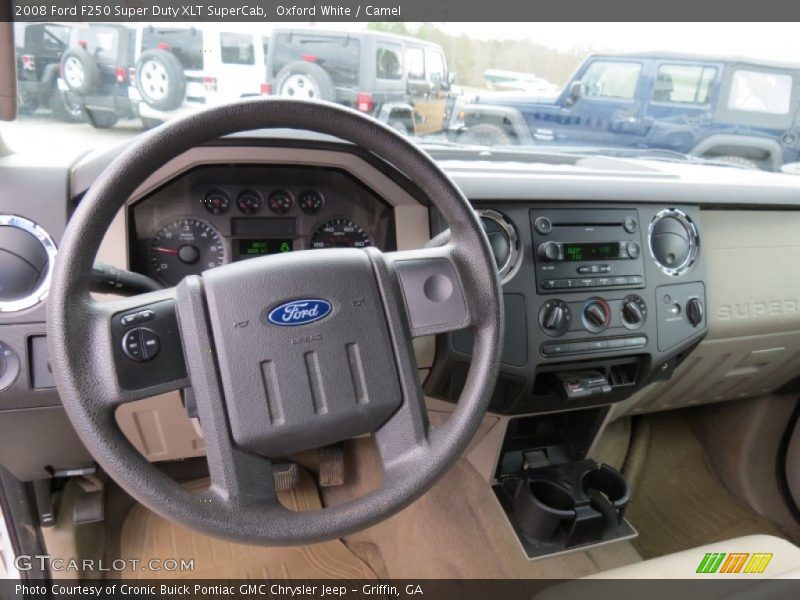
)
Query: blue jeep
[{"x": 736, "y": 110}]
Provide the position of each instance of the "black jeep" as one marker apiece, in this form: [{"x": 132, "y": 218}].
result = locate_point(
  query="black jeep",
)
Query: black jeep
[
  {"x": 95, "y": 70},
  {"x": 39, "y": 49}
]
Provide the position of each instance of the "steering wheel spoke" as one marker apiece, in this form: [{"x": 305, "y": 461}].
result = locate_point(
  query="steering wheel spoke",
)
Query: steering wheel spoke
[
  {"x": 137, "y": 339},
  {"x": 431, "y": 283}
]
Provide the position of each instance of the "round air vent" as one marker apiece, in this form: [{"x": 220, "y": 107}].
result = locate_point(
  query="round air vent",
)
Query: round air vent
[
  {"x": 26, "y": 263},
  {"x": 504, "y": 241},
  {"x": 673, "y": 241}
]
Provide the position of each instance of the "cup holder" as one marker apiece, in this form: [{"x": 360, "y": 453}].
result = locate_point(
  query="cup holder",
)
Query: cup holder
[
  {"x": 607, "y": 491},
  {"x": 570, "y": 503},
  {"x": 541, "y": 506}
]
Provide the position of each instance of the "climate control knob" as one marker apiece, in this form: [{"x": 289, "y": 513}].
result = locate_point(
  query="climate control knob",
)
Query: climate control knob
[
  {"x": 596, "y": 315},
  {"x": 554, "y": 317},
  {"x": 634, "y": 312}
]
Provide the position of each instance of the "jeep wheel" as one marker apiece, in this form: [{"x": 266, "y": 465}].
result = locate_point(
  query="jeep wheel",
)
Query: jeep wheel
[
  {"x": 738, "y": 160},
  {"x": 485, "y": 134},
  {"x": 66, "y": 109},
  {"x": 80, "y": 71},
  {"x": 160, "y": 79},
  {"x": 26, "y": 105},
  {"x": 301, "y": 80},
  {"x": 101, "y": 119}
]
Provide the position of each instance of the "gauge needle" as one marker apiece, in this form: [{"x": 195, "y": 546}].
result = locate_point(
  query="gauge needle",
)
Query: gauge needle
[{"x": 165, "y": 250}]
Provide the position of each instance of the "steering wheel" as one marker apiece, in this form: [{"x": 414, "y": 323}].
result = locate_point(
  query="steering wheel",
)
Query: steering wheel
[{"x": 284, "y": 353}]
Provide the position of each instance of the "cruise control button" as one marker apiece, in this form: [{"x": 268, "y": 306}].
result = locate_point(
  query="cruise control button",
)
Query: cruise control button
[
  {"x": 150, "y": 343},
  {"x": 146, "y": 315},
  {"x": 128, "y": 320},
  {"x": 132, "y": 345}
]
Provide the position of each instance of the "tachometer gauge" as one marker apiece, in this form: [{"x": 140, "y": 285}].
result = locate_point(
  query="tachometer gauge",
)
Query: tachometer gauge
[
  {"x": 340, "y": 233},
  {"x": 182, "y": 247}
]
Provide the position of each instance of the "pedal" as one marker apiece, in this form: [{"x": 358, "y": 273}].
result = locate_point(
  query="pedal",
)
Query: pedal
[
  {"x": 287, "y": 476},
  {"x": 331, "y": 466},
  {"x": 89, "y": 507}
]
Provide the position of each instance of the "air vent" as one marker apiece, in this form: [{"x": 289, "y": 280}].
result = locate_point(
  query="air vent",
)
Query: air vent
[
  {"x": 673, "y": 241},
  {"x": 27, "y": 253},
  {"x": 504, "y": 241}
]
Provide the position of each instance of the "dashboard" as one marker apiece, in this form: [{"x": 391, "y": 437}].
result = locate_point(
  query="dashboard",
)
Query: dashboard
[
  {"x": 214, "y": 215},
  {"x": 628, "y": 285}
]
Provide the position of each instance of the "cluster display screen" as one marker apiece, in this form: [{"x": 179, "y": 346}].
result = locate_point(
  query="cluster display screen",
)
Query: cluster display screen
[
  {"x": 591, "y": 251},
  {"x": 250, "y": 248}
]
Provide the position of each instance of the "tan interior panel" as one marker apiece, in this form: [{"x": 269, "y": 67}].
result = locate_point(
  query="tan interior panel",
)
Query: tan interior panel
[{"x": 753, "y": 343}]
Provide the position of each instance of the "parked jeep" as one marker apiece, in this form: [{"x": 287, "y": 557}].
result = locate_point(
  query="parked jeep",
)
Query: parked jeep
[
  {"x": 39, "y": 49},
  {"x": 94, "y": 72},
  {"x": 736, "y": 110},
  {"x": 400, "y": 80},
  {"x": 180, "y": 67}
]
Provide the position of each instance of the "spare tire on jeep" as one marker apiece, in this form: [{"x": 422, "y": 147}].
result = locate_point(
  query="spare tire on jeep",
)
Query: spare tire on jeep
[
  {"x": 79, "y": 71},
  {"x": 303, "y": 80},
  {"x": 160, "y": 79}
]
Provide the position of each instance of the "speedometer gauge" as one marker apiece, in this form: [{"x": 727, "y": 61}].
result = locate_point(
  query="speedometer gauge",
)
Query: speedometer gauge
[
  {"x": 340, "y": 233},
  {"x": 182, "y": 247}
]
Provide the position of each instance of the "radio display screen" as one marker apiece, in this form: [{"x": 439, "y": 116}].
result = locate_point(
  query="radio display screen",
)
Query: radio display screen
[{"x": 591, "y": 251}]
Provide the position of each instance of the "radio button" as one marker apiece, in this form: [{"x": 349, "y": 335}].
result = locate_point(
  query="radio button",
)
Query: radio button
[
  {"x": 619, "y": 281},
  {"x": 543, "y": 225},
  {"x": 635, "y": 279},
  {"x": 605, "y": 268},
  {"x": 549, "y": 284},
  {"x": 630, "y": 225},
  {"x": 598, "y": 345},
  {"x": 603, "y": 281},
  {"x": 633, "y": 250},
  {"x": 584, "y": 270},
  {"x": 616, "y": 343}
]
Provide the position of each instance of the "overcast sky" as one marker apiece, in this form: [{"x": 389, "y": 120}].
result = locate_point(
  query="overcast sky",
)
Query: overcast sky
[{"x": 774, "y": 41}]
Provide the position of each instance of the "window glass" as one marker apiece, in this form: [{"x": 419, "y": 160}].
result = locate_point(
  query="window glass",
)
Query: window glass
[
  {"x": 265, "y": 44},
  {"x": 611, "y": 79},
  {"x": 434, "y": 65},
  {"x": 237, "y": 49},
  {"x": 684, "y": 84},
  {"x": 100, "y": 42},
  {"x": 186, "y": 43},
  {"x": 760, "y": 91},
  {"x": 339, "y": 55},
  {"x": 416, "y": 63},
  {"x": 387, "y": 61}
]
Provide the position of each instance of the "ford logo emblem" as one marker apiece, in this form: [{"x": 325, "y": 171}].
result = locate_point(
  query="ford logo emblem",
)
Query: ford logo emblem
[{"x": 299, "y": 312}]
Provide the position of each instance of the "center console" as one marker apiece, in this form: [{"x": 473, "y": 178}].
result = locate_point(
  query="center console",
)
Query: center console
[{"x": 599, "y": 299}]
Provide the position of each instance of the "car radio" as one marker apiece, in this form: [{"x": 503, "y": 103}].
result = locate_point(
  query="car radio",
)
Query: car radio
[{"x": 587, "y": 249}]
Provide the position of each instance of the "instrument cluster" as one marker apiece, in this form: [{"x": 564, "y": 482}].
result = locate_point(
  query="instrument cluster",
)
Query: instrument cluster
[{"x": 214, "y": 215}]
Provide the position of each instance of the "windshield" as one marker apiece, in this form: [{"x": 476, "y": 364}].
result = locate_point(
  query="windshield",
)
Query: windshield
[{"x": 718, "y": 93}]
